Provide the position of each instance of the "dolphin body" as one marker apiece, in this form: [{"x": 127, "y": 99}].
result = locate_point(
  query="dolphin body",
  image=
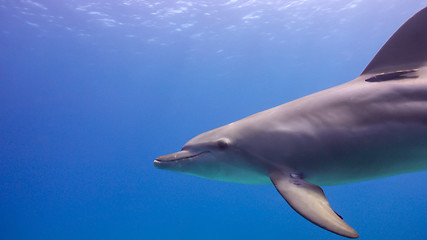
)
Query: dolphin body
[{"x": 371, "y": 127}]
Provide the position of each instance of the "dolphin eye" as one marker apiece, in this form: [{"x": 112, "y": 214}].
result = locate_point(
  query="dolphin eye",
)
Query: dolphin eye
[{"x": 223, "y": 143}]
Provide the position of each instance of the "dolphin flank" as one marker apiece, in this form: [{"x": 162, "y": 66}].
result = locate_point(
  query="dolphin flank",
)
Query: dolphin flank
[{"x": 371, "y": 127}]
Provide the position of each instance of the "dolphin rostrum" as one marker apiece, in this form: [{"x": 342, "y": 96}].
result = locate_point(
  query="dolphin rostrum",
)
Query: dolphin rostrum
[{"x": 371, "y": 127}]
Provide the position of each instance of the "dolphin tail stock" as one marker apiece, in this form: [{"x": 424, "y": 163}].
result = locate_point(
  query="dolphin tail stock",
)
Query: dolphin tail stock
[
  {"x": 405, "y": 50},
  {"x": 310, "y": 202}
]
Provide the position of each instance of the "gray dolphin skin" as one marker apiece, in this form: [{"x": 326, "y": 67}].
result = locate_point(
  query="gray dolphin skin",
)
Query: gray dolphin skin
[{"x": 371, "y": 127}]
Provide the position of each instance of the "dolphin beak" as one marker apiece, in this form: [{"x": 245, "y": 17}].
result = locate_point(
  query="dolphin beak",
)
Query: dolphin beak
[{"x": 167, "y": 160}]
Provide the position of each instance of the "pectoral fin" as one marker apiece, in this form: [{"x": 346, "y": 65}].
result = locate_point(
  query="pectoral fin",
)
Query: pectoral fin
[{"x": 310, "y": 201}]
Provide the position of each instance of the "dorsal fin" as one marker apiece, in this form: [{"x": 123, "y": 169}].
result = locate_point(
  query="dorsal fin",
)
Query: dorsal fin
[{"x": 406, "y": 49}]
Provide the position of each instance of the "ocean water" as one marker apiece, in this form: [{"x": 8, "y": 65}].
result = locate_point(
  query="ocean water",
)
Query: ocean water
[{"x": 91, "y": 92}]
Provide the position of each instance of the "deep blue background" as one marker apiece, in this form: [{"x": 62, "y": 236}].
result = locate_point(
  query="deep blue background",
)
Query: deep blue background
[{"x": 92, "y": 91}]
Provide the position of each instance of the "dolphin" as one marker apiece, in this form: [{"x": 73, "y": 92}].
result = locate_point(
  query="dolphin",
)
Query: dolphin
[{"x": 371, "y": 127}]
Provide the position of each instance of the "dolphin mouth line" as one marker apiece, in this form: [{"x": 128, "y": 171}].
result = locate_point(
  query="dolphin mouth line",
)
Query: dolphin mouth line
[{"x": 180, "y": 159}]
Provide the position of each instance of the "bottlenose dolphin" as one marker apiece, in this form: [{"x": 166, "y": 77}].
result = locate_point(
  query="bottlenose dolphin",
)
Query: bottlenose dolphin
[{"x": 371, "y": 127}]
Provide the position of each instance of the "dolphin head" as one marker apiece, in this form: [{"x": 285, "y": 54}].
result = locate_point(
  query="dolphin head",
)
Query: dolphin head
[{"x": 213, "y": 155}]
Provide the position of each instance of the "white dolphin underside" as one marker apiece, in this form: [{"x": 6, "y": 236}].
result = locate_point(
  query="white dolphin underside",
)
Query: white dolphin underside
[{"x": 374, "y": 126}]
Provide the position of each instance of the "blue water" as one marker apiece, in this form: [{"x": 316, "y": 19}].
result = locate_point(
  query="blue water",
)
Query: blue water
[{"x": 91, "y": 92}]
